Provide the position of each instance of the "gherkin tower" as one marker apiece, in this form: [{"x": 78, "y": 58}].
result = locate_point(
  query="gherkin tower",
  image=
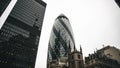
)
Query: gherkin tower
[{"x": 60, "y": 37}]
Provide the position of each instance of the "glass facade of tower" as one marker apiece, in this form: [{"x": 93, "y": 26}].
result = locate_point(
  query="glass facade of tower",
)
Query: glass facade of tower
[
  {"x": 60, "y": 37},
  {"x": 3, "y": 5},
  {"x": 19, "y": 36},
  {"x": 118, "y": 2}
]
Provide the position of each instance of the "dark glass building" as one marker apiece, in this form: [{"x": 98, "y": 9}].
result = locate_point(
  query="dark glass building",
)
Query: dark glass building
[
  {"x": 19, "y": 35},
  {"x": 118, "y": 2},
  {"x": 60, "y": 37},
  {"x": 6, "y": 7},
  {"x": 3, "y": 5}
]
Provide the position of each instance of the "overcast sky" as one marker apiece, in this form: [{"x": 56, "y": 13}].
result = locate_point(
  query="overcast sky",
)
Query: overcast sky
[{"x": 94, "y": 23}]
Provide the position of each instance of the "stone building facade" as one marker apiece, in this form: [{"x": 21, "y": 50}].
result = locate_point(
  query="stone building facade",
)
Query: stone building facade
[{"x": 107, "y": 57}]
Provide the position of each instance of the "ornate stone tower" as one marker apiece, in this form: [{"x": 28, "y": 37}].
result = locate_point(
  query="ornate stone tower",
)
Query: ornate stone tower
[{"x": 75, "y": 58}]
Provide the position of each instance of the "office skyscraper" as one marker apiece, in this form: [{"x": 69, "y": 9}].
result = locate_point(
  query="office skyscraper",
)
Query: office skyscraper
[
  {"x": 3, "y": 5},
  {"x": 60, "y": 37},
  {"x": 5, "y": 8},
  {"x": 118, "y": 2},
  {"x": 19, "y": 35}
]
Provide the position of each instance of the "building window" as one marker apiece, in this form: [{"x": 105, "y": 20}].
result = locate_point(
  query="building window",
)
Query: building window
[
  {"x": 78, "y": 56},
  {"x": 72, "y": 56},
  {"x": 109, "y": 55}
]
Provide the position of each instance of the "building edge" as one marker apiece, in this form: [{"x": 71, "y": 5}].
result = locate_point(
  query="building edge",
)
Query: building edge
[{"x": 41, "y": 2}]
